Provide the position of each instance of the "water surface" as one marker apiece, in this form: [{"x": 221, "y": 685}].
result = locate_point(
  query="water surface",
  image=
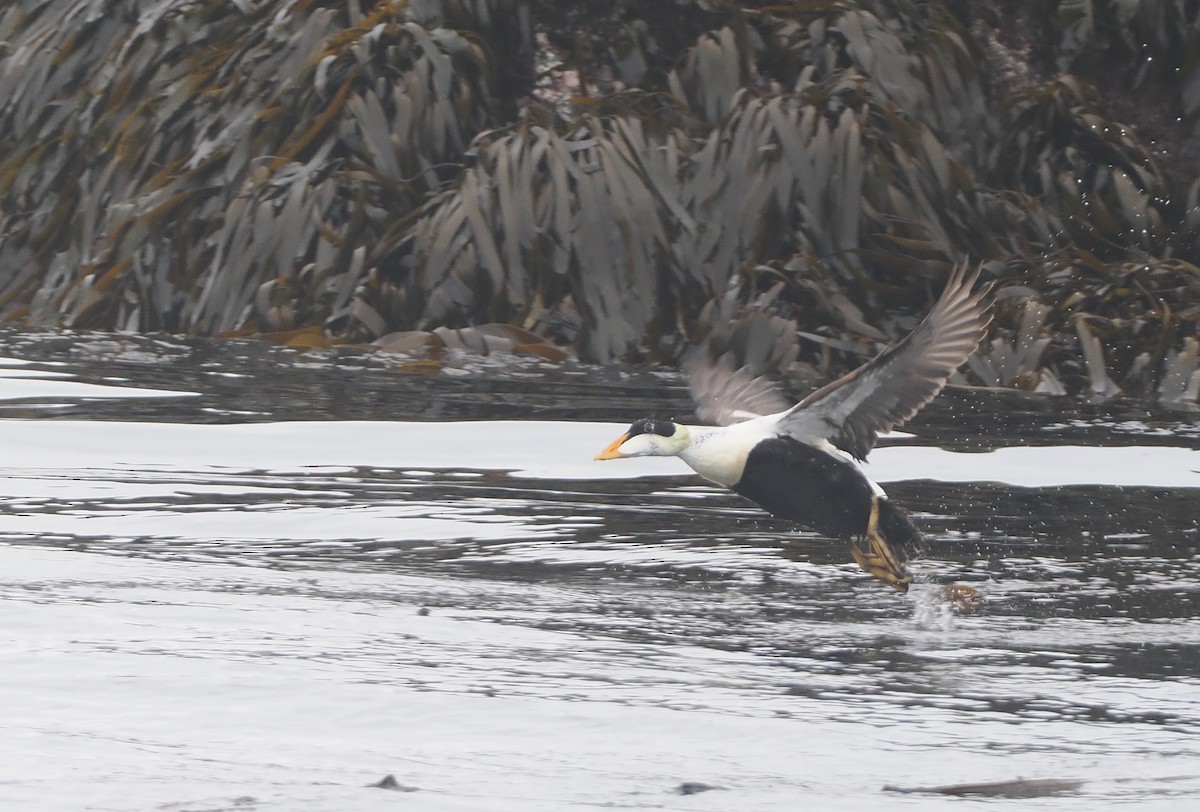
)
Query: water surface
[{"x": 235, "y": 577}]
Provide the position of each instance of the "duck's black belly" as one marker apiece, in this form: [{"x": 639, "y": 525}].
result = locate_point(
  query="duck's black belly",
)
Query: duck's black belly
[{"x": 793, "y": 480}]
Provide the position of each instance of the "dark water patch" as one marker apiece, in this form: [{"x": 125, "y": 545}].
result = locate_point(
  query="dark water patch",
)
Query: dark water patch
[{"x": 250, "y": 381}]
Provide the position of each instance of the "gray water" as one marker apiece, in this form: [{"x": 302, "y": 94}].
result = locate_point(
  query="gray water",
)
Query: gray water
[{"x": 236, "y": 577}]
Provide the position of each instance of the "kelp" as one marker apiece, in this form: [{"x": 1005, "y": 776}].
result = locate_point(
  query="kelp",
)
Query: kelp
[
  {"x": 1152, "y": 43},
  {"x": 1059, "y": 148},
  {"x": 540, "y": 222},
  {"x": 785, "y": 184},
  {"x": 1016, "y": 361},
  {"x": 1100, "y": 328},
  {"x": 629, "y": 230},
  {"x": 914, "y": 57},
  {"x": 219, "y": 157}
]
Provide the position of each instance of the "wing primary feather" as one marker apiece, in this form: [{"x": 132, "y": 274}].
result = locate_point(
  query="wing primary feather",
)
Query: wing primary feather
[{"x": 888, "y": 390}]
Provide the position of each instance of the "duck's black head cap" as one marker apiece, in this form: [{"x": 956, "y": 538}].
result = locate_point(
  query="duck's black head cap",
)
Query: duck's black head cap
[{"x": 661, "y": 428}]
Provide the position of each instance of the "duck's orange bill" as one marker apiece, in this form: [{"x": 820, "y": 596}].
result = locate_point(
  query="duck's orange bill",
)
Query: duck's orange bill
[{"x": 611, "y": 452}]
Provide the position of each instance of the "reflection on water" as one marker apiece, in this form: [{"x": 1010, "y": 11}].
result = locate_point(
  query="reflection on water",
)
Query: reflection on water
[{"x": 210, "y": 605}]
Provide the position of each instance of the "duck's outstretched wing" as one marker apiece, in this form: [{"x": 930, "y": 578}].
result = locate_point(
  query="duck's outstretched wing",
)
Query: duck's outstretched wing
[
  {"x": 725, "y": 396},
  {"x": 893, "y": 386}
]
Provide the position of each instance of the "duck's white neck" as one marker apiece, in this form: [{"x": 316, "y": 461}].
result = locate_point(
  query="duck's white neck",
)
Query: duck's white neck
[{"x": 718, "y": 453}]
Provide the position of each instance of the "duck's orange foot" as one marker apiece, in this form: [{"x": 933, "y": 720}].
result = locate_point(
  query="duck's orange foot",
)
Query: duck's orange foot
[{"x": 880, "y": 562}]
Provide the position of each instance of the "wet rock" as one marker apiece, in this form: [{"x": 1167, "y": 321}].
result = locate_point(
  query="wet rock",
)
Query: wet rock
[
  {"x": 389, "y": 782},
  {"x": 1020, "y": 788},
  {"x": 694, "y": 788}
]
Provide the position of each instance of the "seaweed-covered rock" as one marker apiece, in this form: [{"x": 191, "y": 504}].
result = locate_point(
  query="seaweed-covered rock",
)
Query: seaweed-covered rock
[{"x": 789, "y": 182}]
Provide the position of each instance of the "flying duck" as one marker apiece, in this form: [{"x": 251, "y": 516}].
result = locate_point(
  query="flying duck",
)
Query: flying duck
[{"x": 803, "y": 462}]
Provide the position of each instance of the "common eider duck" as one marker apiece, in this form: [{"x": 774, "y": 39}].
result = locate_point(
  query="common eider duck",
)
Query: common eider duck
[{"x": 803, "y": 463}]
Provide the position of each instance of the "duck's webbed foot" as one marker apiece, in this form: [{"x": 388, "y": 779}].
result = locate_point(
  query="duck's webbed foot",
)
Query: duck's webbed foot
[{"x": 877, "y": 558}]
